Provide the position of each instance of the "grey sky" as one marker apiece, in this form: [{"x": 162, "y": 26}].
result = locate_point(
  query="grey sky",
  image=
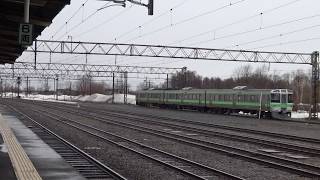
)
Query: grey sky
[{"x": 188, "y": 19}]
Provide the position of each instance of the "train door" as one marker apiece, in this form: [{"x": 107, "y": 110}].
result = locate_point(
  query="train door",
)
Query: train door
[
  {"x": 163, "y": 97},
  {"x": 234, "y": 99}
]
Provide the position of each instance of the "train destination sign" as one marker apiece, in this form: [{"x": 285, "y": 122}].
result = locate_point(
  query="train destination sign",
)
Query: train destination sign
[{"x": 25, "y": 34}]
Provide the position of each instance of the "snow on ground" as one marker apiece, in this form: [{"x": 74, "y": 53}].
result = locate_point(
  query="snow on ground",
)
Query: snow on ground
[
  {"x": 301, "y": 114},
  {"x": 118, "y": 98}
]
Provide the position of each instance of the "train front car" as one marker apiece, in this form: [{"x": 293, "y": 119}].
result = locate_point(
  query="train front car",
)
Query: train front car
[{"x": 281, "y": 103}]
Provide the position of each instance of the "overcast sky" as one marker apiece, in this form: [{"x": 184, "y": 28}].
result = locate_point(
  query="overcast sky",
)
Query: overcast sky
[{"x": 285, "y": 25}]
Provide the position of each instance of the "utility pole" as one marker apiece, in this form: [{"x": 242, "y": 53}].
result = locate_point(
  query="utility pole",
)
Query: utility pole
[
  {"x": 112, "y": 87},
  {"x": 18, "y": 82},
  {"x": 90, "y": 85},
  {"x": 54, "y": 85},
  {"x": 125, "y": 87},
  {"x": 167, "y": 81},
  {"x": 184, "y": 71},
  {"x": 27, "y": 87},
  {"x": 70, "y": 90},
  {"x": 57, "y": 88},
  {"x": 315, "y": 84},
  {"x": 1, "y": 87}
]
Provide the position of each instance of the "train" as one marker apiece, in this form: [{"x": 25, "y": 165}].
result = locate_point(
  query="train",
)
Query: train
[{"x": 269, "y": 103}]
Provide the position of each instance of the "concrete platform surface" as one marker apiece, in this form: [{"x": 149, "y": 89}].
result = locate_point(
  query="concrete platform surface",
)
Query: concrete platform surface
[
  {"x": 49, "y": 164},
  {"x": 6, "y": 169}
]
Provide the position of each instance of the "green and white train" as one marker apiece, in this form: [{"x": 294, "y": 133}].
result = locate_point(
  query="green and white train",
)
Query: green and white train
[{"x": 266, "y": 102}]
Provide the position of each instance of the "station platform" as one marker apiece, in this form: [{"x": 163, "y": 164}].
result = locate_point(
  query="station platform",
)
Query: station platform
[{"x": 24, "y": 156}]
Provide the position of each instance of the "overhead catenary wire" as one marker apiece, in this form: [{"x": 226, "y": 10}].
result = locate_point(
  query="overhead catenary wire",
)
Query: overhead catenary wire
[
  {"x": 190, "y": 18},
  {"x": 104, "y": 22},
  {"x": 82, "y": 21},
  {"x": 151, "y": 20},
  {"x": 274, "y": 36},
  {"x": 186, "y": 20},
  {"x": 260, "y": 29},
  {"x": 68, "y": 20},
  {"x": 235, "y": 22},
  {"x": 287, "y": 42}
]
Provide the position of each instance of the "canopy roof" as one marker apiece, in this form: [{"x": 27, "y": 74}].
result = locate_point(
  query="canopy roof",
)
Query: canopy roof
[{"x": 42, "y": 13}]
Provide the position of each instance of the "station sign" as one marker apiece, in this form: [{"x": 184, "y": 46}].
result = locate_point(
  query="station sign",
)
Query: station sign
[{"x": 25, "y": 34}]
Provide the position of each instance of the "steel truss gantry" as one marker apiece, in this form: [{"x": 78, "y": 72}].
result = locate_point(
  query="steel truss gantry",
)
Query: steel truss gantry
[
  {"x": 140, "y": 50},
  {"x": 77, "y": 71},
  {"x": 95, "y": 48}
]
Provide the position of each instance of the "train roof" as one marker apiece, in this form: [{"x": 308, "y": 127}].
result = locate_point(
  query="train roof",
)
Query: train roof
[{"x": 218, "y": 90}]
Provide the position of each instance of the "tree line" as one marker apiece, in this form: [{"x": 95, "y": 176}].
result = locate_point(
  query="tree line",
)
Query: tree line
[{"x": 299, "y": 81}]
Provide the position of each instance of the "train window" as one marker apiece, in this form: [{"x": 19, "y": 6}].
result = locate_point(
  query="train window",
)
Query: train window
[
  {"x": 275, "y": 98},
  {"x": 290, "y": 98},
  {"x": 283, "y": 98},
  {"x": 252, "y": 98}
]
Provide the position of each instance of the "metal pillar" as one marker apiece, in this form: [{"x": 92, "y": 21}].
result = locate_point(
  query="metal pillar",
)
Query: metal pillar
[
  {"x": 18, "y": 82},
  {"x": 1, "y": 87},
  {"x": 112, "y": 87},
  {"x": 27, "y": 93},
  {"x": 54, "y": 85},
  {"x": 90, "y": 85},
  {"x": 125, "y": 88},
  {"x": 167, "y": 81},
  {"x": 184, "y": 71},
  {"x": 35, "y": 54},
  {"x": 70, "y": 90},
  {"x": 57, "y": 88},
  {"x": 315, "y": 84},
  {"x": 26, "y": 11}
]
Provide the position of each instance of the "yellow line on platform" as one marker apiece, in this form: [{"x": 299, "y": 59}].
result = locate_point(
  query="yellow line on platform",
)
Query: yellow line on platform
[{"x": 21, "y": 163}]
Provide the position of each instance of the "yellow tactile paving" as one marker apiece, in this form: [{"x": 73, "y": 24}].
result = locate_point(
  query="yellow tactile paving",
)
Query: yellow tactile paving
[{"x": 21, "y": 163}]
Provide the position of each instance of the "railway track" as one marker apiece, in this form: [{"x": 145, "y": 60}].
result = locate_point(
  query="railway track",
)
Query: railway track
[
  {"x": 292, "y": 166},
  {"x": 182, "y": 165},
  {"x": 311, "y": 151},
  {"x": 252, "y": 131},
  {"x": 260, "y": 158},
  {"x": 86, "y": 165},
  {"x": 135, "y": 116}
]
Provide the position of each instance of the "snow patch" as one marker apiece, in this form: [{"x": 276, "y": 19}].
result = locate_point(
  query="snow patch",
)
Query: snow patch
[
  {"x": 118, "y": 98},
  {"x": 301, "y": 114}
]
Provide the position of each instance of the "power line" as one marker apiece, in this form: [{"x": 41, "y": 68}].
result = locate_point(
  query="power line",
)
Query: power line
[
  {"x": 275, "y": 36},
  {"x": 73, "y": 15},
  {"x": 152, "y": 20},
  {"x": 236, "y": 22},
  {"x": 104, "y": 22},
  {"x": 83, "y": 21},
  {"x": 186, "y": 20},
  {"x": 259, "y": 29},
  {"x": 287, "y": 42}
]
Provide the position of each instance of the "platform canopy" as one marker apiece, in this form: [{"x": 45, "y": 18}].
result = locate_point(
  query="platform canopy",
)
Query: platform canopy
[{"x": 42, "y": 13}]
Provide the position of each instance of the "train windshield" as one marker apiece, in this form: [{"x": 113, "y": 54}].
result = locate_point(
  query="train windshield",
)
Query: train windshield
[
  {"x": 275, "y": 97},
  {"x": 290, "y": 98}
]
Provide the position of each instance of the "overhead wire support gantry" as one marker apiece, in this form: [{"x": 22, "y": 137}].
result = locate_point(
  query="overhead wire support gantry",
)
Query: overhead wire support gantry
[
  {"x": 77, "y": 71},
  {"x": 180, "y": 52}
]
